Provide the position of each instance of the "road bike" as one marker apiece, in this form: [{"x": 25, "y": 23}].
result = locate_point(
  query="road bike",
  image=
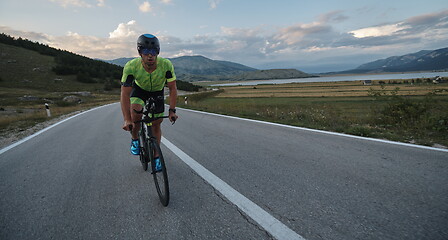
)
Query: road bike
[{"x": 150, "y": 150}]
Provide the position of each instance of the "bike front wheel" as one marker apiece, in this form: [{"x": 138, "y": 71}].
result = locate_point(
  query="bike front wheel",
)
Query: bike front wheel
[
  {"x": 160, "y": 175},
  {"x": 144, "y": 148}
]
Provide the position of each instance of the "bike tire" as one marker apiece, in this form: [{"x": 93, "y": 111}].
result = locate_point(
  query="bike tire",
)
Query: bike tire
[
  {"x": 160, "y": 177},
  {"x": 144, "y": 148}
]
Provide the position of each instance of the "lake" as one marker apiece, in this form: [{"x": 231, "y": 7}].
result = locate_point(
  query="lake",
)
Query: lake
[{"x": 340, "y": 78}]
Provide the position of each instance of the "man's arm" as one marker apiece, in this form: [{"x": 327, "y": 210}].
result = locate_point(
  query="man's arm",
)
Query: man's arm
[
  {"x": 126, "y": 106},
  {"x": 173, "y": 94},
  {"x": 173, "y": 99}
]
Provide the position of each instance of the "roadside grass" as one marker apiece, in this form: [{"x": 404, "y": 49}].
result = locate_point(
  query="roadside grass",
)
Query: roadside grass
[
  {"x": 416, "y": 114},
  {"x": 27, "y": 82},
  {"x": 19, "y": 115}
]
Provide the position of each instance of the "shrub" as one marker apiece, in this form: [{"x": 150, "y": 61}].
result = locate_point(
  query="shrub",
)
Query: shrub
[
  {"x": 84, "y": 78},
  {"x": 110, "y": 84},
  {"x": 424, "y": 120},
  {"x": 65, "y": 104},
  {"x": 363, "y": 131},
  {"x": 403, "y": 112},
  {"x": 186, "y": 86}
]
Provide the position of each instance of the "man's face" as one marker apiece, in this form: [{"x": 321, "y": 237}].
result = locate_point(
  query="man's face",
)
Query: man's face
[{"x": 149, "y": 57}]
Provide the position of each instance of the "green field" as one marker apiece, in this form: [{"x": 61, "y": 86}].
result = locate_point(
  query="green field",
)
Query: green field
[{"x": 416, "y": 113}]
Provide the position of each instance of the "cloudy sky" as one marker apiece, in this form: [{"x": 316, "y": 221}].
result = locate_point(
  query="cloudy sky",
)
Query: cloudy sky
[{"x": 310, "y": 35}]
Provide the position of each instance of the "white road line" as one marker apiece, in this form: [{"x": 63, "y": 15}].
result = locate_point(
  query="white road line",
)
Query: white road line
[
  {"x": 3, "y": 150},
  {"x": 324, "y": 132},
  {"x": 276, "y": 228}
]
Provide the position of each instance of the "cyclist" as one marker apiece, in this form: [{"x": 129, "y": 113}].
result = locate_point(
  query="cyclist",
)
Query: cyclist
[{"x": 142, "y": 78}]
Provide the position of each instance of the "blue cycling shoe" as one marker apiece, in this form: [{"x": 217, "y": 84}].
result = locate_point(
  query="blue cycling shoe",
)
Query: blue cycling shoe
[
  {"x": 158, "y": 164},
  {"x": 135, "y": 147}
]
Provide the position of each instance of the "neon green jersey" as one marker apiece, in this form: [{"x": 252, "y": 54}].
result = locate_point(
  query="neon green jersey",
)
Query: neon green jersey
[{"x": 151, "y": 82}]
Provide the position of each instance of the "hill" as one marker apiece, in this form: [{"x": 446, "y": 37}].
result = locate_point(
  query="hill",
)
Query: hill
[
  {"x": 27, "y": 69},
  {"x": 200, "y": 68},
  {"x": 425, "y": 60},
  {"x": 32, "y": 65},
  {"x": 394, "y": 61},
  {"x": 198, "y": 65},
  {"x": 119, "y": 61}
]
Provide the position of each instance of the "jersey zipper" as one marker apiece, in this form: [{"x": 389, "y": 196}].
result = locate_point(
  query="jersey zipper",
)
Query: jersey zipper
[{"x": 150, "y": 80}]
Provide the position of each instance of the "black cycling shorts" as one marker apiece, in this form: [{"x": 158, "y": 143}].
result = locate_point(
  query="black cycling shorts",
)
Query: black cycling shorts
[{"x": 139, "y": 96}]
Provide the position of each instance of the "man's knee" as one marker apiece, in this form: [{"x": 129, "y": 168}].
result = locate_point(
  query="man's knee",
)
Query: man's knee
[
  {"x": 156, "y": 124},
  {"x": 134, "y": 109}
]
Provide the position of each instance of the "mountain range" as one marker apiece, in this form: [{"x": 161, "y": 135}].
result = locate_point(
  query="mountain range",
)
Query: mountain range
[
  {"x": 200, "y": 68},
  {"x": 198, "y": 65},
  {"x": 425, "y": 60}
]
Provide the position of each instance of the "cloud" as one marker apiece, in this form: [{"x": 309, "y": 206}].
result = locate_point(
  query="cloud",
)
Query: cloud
[
  {"x": 213, "y": 3},
  {"x": 319, "y": 34},
  {"x": 422, "y": 29},
  {"x": 429, "y": 31},
  {"x": 428, "y": 19},
  {"x": 101, "y": 3},
  {"x": 241, "y": 33},
  {"x": 320, "y": 40},
  {"x": 385, "y": 30},
  {"x": 124, "y": 30},
  {"x": 38, "y": 37},
  {"x": 72, "y": 3},
  {"x": 121, "y": 42},
  {"x": 166, "y": 1},
  {"x": 334, "y": 16},
  {"x": 78, "y": 3},
  {"x": 183, "y": 52},
  {"x": 145, "y": 7},
  {"x": 302, "y": 34},
  {"x": 299, "y": 44}
]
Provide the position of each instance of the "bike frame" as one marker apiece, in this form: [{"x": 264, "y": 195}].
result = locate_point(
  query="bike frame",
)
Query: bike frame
[{"x": 149, "y": 146}]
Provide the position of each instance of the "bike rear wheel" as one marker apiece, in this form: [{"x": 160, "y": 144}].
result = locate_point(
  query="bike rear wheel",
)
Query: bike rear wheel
[
  {"x": 160, "y": 177},
  {"x": 144, "y": 148}
]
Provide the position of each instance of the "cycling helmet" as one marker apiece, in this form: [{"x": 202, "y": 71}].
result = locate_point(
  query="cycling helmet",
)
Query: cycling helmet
[{"x": 149, "y": 42}]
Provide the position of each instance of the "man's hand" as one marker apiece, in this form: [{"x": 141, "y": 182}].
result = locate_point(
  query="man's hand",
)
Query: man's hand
[
  {"x": 173, "y": 117},
  {"x": 128, "y": 125}
]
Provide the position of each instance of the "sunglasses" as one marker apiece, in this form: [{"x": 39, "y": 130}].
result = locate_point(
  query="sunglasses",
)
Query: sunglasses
[{"x": 145, "y": 51}]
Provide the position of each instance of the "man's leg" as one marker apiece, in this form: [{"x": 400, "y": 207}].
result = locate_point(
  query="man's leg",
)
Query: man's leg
[
  {"x": 136, "y": 117},
  {"x": 157, "y": 130},
  {"x": 135, "y": 143}
]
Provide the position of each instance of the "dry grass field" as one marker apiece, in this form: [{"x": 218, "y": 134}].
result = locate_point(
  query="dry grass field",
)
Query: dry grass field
[
  {"x": 330, "y": 89},
  {"x": 397, "y": 110}
]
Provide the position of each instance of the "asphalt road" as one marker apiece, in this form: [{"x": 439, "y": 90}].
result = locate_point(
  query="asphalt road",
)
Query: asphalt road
[{"x": 77, "y": 180}]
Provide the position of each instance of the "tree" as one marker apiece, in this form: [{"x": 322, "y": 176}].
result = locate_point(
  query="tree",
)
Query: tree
[{"x": 84, "y": 77}]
